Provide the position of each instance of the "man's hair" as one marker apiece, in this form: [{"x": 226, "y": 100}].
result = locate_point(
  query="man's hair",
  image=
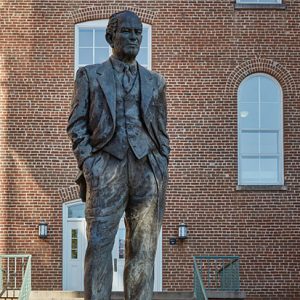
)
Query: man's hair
[{"x": 112, "y": 25}]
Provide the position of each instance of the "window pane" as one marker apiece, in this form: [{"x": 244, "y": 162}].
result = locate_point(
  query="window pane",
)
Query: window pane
[
  {"x": 270, "y": 92},
  {"x": 249, "y": 170},
  {"x": 76, "y": 211},
  {"x": 100, "y": 40},
  {"x": 92, "y": 46},
  {"x": 260, "y": 170},
  {"x": 74, "y": 234},
  {"x": 101, "y": 54},
  {"x": 74, "y": 243},
  {"x": 260, "y": 126},
  {"x": 85, "y": 56},
  {"x": 249, "y": 116},
  {"x": 269, "y": 170},
  {"x": 270, "y": 116},
  {"x": 85, "y": 38},
  {"x": 270, "y": 1},
  {"x": 269, "y": 143},
  {"x": 74, "y": 254},
  {"x": 122, "y": 243},
  {"x": 142, "y": 57},
  {"x": 249, "y": 143},
  {"x": 248, "y": 91},
  {"x": 145, "y": 38}
]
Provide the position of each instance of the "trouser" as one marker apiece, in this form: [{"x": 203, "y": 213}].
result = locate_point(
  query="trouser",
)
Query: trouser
[{"x": 114, "y": 187}]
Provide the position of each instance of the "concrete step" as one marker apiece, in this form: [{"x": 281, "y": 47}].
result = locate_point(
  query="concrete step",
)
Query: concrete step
[
  {"x": 225, "y": 295},
  {"x": 66, "y": 295}
]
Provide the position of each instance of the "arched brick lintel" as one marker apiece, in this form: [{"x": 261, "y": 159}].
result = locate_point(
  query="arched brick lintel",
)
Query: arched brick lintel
[
  {"x": 69, "y": 193},
  {"x": 104, "y": 12},
  {"x": 260, "y": 65}
]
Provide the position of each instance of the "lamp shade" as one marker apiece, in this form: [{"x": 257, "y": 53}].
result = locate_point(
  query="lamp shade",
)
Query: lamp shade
[
  {"x": 182, "y": 231},
  {"x": 43, "y": 230}
]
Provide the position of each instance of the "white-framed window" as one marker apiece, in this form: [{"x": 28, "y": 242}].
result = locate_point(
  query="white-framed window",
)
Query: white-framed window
[
  {"x": 259, "y": 1},
  {"x": 260, "y": 131},
  {"x": 92, "y": 48}
]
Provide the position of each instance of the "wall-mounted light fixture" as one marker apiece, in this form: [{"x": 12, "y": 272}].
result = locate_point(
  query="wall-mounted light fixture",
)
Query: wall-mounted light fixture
[
  {"x": 43, "y": 230},
  {"x": 182, "y": 231},
  {"x": 182, "y": 234}
]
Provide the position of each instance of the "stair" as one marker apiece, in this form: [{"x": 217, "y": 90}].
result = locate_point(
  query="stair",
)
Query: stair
[
  {"x": 225, "y": 295},
  {"x": 64, "y": 295}
]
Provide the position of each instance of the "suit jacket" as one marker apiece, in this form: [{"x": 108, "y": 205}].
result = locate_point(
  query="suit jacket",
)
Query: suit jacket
[{"x": 92, "y": 121}]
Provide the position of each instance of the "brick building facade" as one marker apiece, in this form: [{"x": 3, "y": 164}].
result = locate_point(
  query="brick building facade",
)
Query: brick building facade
[{"x": 205, "y": 49}]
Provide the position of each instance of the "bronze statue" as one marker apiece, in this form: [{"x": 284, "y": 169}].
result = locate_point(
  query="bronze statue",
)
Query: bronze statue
[{"x": 118, "y": 130}]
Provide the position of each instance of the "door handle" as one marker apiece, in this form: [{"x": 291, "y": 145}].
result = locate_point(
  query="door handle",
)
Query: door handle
[{"x": 115, "y": 265}]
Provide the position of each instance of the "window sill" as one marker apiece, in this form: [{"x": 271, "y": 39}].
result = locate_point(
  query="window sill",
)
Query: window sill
[
  {"x": 261, "y": 188},
  {"x": 260, "y": 6}
]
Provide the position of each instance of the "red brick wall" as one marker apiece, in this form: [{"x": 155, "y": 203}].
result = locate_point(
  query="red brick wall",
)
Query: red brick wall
[{"x": 204, "y": 49}]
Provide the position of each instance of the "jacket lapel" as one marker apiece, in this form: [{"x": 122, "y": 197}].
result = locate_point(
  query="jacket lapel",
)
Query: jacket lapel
[
  {"x": 146, "y": 89},
  {"x": 106, "y": 80},
  {"x": 105, "y": 77}
]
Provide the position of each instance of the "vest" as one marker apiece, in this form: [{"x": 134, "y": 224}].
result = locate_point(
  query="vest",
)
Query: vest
[{"x": 130, "y": 132}]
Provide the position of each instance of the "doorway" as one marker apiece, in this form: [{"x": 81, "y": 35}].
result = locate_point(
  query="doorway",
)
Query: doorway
[{"x": 74, "y": 247}]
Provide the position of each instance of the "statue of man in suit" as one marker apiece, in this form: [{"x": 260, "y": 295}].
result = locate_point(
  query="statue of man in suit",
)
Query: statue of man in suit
[{"x": 118, "y": 130}]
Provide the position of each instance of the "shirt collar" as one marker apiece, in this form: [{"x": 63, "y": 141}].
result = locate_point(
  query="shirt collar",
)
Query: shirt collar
[{"x": 119, "y": 65}]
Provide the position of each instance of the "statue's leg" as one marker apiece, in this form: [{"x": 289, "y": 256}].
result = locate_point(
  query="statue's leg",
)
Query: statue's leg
[
  {"x": 142, "y": 230},
  {"x": 106, "y": 202}
]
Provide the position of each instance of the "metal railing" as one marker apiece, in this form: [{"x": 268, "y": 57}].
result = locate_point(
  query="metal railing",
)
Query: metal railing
[
  {"x": 15, "y": 276},
  {"x": 219, "y": 273},
  {"x": 199, "y": 290}
]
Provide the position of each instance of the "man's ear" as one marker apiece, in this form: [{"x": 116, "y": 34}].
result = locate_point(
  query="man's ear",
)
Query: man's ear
[{"x": 109, "y": 39}]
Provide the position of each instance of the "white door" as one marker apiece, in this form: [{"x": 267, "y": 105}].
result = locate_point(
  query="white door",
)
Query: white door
[
  {"x": 118, "y": 256},
  {"x": 74, "y": 246}
]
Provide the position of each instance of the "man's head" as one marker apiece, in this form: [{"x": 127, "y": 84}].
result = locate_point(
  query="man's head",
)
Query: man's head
[{"x": 124, "y": 34}]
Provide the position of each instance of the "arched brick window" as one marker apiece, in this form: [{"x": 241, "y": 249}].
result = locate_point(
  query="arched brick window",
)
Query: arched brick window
[
  {"x": 260, "y": 131},
  {"x": 91, "y": 46}
]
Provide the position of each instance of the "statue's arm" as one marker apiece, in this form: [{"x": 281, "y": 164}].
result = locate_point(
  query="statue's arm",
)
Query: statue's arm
[
  {"x": 162, "y": 119},
  {"x": 77, "y": 128}
]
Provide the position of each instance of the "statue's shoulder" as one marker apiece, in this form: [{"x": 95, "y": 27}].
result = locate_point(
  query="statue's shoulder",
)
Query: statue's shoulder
[
  {"x": 159, "y": 79},
  {"x": 92, "y": 70}
]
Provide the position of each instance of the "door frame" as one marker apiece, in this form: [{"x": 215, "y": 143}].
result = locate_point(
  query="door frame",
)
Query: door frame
[
  {"x": 158, "y": 260},
  {"x": 66, "y": 205}
]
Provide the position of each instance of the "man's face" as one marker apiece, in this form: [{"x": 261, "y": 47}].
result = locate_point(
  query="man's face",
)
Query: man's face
[{"x": 128, "y": 37}]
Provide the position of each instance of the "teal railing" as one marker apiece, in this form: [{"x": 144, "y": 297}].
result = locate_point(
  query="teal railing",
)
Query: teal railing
[
  {"x": 199, "y": 290},
  {"x": 219, "y": 273},
  {"x": 15, "y": 276}
]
